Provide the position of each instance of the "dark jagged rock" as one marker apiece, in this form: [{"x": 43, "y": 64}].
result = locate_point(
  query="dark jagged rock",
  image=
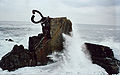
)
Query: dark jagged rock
[
  {"x": 17, "y": 58},
  {"x": 9, "y": 40},
  {"x": 104, "y": 57},
  {"x": 39, "y": 47},
  {"x": 99, "y": 50}
]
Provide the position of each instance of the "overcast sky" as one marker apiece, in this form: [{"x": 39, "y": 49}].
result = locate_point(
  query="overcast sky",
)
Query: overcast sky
[{"x": 79, "y": 11}]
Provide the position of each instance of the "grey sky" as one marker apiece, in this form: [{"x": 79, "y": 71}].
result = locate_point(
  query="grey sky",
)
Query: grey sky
[{"x": 79, "y": 11}]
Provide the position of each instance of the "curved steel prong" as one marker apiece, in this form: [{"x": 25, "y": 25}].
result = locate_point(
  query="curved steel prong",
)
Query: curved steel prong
[{"x": 32, "y": 18}]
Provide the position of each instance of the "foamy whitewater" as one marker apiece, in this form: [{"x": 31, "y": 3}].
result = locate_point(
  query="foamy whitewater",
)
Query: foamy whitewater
[{"x": 75, "y": 60}]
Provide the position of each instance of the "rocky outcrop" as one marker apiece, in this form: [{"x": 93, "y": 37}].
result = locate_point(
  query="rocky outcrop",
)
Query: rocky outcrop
[
  {"x": 17, "y": 58},
  {"x": 43, "y": 47},
  {"x": 39, "y": 47},
  {"x": 104, "y": 57}
]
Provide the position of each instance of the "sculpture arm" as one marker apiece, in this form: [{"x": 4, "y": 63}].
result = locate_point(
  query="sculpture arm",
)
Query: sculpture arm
[
  {"x": 32, "y": 19},
  {"x": 33, "y": 11}
]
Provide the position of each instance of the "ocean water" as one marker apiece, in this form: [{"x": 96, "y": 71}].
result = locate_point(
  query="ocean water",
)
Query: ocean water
[
  {"x": 99, "y": 32},
  {"x": 75, "y": 60}
]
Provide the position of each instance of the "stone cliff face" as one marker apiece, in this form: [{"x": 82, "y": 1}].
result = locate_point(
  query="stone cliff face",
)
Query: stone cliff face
[
  {"x": 39, "y": 47},
  {"x": 59, "y": 26}
]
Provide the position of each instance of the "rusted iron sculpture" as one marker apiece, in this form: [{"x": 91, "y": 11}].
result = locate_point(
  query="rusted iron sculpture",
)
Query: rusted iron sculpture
[{"x": 45, "y": 23}]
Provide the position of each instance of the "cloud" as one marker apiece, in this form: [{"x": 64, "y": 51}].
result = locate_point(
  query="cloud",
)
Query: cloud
[
  {"x": 89, "y": 3},
  {"x": 79, "y": 11}
]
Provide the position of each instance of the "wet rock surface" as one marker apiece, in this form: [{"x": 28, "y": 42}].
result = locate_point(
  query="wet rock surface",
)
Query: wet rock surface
[{"x": 104, "y": 57}]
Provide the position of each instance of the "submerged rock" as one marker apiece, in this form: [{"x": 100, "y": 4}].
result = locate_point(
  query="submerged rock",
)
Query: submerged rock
[
  {"x": 10, "y": 40},
  {"x": 104, "y": 57},
  {"x": 39, "y": 47}
]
